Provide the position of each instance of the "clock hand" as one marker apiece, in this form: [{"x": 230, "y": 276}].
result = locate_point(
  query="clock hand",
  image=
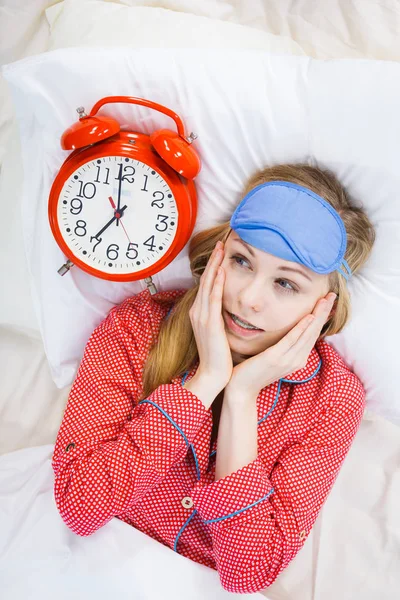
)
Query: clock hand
[
  {"x": 118, "y": 216},
  {"x": 126, "y": 232},
  {"x": 121, "y": 212},
  {"x": 116, "y": 213},
  {"x": 119, "y": 190}
]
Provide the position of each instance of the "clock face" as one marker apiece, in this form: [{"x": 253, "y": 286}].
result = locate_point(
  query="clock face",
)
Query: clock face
[{"x": 115, "y": 241}]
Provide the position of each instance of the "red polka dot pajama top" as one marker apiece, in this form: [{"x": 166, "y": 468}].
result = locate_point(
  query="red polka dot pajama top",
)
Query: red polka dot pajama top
[{"x": 150, "y": 463}]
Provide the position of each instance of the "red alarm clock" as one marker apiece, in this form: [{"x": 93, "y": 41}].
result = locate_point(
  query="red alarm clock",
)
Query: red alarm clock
[{"x": 124, "y": 203}]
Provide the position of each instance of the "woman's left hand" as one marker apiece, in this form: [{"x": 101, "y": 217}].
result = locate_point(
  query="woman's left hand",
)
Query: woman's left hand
[{"x": 288, "y": 355}]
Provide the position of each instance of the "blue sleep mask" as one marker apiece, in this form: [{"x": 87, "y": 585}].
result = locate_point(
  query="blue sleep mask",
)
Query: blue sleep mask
[{"x": 294, "y": 223}]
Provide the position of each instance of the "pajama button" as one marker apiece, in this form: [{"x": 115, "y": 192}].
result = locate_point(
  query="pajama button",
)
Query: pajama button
[
  {"x": 302, "y": 535},
  {"x": 187, "y": 502}
]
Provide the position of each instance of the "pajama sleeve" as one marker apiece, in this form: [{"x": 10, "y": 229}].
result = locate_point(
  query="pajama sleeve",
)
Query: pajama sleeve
[
  {"x": 110, "y": 449},
  {"x": 258, "y": 520}
]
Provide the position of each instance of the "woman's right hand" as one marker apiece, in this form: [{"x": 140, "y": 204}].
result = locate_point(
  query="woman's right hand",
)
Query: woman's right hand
[{"x": 216, "y": 363}]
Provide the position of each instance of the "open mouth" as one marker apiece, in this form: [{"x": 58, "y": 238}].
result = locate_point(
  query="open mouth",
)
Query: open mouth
[{"x": 235, "y": 327}]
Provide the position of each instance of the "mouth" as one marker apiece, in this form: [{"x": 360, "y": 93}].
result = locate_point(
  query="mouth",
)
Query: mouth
[{"x": 236, "y": 328}]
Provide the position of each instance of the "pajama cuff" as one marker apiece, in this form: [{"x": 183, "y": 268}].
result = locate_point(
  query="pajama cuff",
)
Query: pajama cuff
[
  {"x": 234, "y": 496},
  {"x": 182, "y": 410}
]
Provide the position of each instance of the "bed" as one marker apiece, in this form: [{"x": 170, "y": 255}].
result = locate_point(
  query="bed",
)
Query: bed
[{"x": 354, "y": 549}]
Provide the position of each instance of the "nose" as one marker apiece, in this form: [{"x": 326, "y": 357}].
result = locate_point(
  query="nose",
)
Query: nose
[{"x": 252, "y": 298}]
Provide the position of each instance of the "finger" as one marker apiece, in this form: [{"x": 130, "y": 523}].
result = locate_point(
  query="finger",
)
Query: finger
[
  {"x": 322, "y": 311},
  {"x": 291, "y": 338},
  {"x": 203, "y": 275},
  {"x": 305, "y": 328},
  {"x": 207, "y": 282},
  {"x": 216, "y": 294},
  {"x": 311, "y": 330},
  {"x": 213, "y": 289}
]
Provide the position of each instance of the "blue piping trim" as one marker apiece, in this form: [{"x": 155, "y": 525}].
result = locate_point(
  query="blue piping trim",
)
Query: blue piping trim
[
  {"x": 305, "y": 380},
  {"x": 182, "y": 528},
  {"x": 274, "y": 404},
  {"x": 197, "y": 464},
  {"x": 184, "y": 377},
  {"x": 193, "y": 450},
  {"x": 169, "y": 419},
  {"x": 263, "y": 418},
  {"x": 241, "y": 510}
]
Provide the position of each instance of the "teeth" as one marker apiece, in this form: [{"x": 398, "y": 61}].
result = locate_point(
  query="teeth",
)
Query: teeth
[{"x": 242, "y": 323}]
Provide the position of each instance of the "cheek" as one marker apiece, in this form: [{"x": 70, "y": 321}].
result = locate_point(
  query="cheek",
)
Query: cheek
[
  {"x": 282, "y": 319},
  {"x": 294, "y": 320}
]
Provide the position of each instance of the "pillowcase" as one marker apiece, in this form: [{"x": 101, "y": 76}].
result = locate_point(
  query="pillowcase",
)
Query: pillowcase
[
  {"x": 250, "y": 109},
  {"x": 95, "y": 22}
]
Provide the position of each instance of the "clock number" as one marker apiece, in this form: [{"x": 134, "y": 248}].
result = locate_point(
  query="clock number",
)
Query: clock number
[
  {"x": 98, "y": 173},
  {"x": 75, "y": 210},
  {"x": 126, "y": 175},
  {"x": 84, "y": 187},
  {"x": 111, "y": 249},
  {"x": 152, "y": 244},
  {"x": 98, "y": 241},
  {"x": 78, "y": 226},
  {"x": 154, "y": 202},
  {"x": 131, "y": 249},
  {"x": 164, "y": 218},
  {"x": 144, "y": 189}
]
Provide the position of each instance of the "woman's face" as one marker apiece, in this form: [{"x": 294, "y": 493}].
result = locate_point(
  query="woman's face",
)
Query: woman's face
[{"x": 259, "y": 290}]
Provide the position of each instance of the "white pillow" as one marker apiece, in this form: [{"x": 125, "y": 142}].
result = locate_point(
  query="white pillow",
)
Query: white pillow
[
  {"x": 95, "y": 22},
  {"x": 250, "y": 109}
]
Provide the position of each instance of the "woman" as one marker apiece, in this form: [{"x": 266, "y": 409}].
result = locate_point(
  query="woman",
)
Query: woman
[{"x": 222, "y": 439}]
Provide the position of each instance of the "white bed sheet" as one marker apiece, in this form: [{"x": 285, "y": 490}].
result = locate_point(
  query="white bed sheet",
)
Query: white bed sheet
[
  {"x": 358, "y": 559},
  {"x": 117, "y": 561}
]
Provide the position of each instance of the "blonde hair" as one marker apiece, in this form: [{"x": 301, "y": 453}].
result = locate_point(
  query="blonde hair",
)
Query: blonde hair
[{"x": 175, "y": 351}]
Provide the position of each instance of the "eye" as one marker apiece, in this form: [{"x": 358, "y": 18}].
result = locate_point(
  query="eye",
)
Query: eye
[
  {"x": 235, "y": 256},
  {"x": 291, "y": 290}
]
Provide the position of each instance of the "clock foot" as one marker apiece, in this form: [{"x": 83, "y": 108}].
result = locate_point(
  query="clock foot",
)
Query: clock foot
[
  {"x": 150, "y": 285},
  {"x": 65, "y": 268}
]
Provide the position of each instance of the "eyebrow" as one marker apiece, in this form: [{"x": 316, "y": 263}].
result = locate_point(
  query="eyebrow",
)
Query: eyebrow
[{"x": 280, "y": 268}]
